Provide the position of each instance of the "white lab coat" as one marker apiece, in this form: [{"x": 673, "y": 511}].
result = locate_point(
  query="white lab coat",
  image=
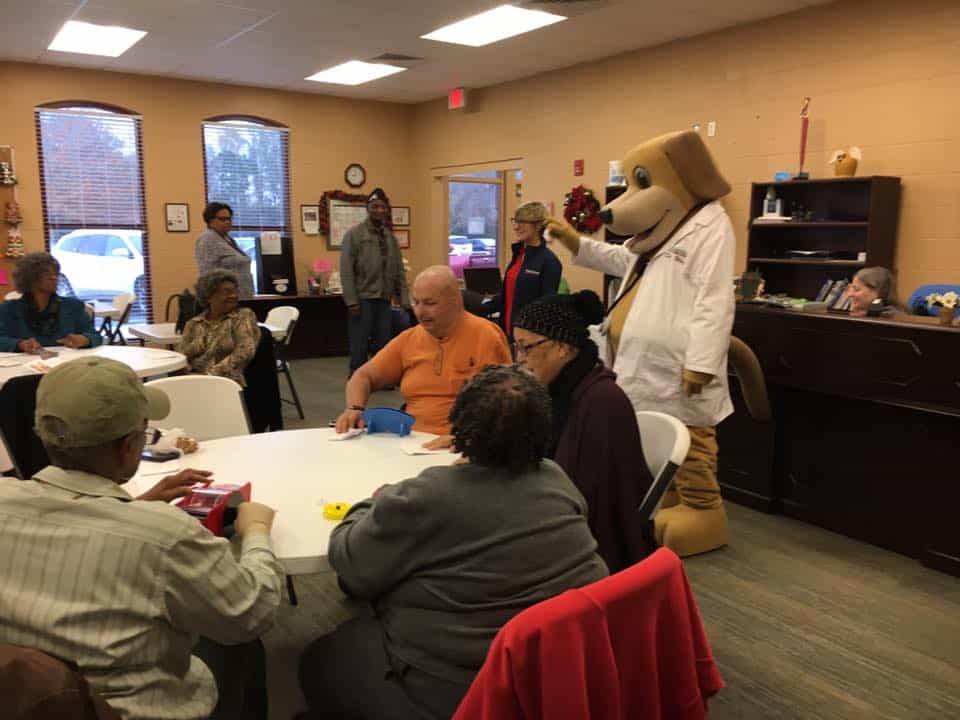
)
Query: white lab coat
[{"x": 681, "y": 317}]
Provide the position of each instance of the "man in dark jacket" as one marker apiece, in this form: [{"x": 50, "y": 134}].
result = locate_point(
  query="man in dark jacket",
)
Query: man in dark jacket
[{"x": 371, "y": 270}]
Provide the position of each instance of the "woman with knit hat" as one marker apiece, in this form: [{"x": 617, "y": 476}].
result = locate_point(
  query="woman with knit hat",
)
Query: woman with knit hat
[
  {"x": 534, "y": 271},
  {"x": 594, "y": 425}
]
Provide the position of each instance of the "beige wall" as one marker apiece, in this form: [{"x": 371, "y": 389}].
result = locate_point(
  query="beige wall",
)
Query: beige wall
[
  {"x": 883, "y": 75},
  {"x": 326, "y": 134}
]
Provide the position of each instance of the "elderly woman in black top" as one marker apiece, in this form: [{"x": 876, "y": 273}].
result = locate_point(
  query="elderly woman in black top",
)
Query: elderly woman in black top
[
  {"x": 594, "y": 423},
  {"x": 448, "y": 557}
]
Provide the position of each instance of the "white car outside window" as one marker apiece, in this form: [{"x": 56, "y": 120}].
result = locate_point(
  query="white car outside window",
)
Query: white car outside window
[{"x": 102, "y": 263}]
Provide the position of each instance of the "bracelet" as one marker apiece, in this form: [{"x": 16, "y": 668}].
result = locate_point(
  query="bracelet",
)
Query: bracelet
[{"x": 361, "y": 408}]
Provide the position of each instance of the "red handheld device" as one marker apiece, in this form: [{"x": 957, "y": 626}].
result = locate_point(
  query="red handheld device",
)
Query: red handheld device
[{"x": 215, "y": 506}]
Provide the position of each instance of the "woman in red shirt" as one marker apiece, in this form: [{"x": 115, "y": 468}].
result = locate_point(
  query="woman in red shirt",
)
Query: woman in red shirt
[{"x": 534, "y": 271}]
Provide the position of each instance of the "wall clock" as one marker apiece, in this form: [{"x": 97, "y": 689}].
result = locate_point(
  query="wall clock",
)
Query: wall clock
[{"x": 355, "y": 175}]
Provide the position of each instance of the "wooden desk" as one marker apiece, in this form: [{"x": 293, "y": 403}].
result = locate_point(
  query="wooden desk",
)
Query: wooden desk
[
  {"x": 321, "y": 330},
  {"x": 866, "y": 422}
]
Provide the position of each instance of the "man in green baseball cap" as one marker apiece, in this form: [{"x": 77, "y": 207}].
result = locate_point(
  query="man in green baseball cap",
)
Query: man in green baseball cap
[{"x": 139, "y": 594}]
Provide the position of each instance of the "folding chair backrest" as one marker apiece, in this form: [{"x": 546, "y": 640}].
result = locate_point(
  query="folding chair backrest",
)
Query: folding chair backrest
[
  {"x": 284, "y": 316},
  {"x": 666, "y": 442},
  {"x": 186, "y": 309},
  {"x": 121, "y": 301},
  {"x": 207, "y": 407}
]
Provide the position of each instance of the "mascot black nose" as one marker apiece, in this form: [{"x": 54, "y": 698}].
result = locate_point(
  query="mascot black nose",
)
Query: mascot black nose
[{"x": 606, "y": 216}]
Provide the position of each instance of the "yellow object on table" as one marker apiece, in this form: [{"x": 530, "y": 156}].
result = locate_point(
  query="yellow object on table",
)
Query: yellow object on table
[{"x": 335, "y": 511}]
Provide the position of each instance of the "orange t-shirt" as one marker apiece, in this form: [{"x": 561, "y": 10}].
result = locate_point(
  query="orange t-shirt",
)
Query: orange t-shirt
[{"x": 430, "y": 372}]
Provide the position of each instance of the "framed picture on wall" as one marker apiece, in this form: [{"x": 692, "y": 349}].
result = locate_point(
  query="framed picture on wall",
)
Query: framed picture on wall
[
  {"x": 400, "y": 215},
  {"x": 310, "y": 219},
  {"x": 403, "y": 238},
  {"x": 178, "y": 217}
]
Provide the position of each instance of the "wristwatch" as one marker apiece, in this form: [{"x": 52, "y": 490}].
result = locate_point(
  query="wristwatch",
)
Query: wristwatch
[{"x": 361, "y": 408}]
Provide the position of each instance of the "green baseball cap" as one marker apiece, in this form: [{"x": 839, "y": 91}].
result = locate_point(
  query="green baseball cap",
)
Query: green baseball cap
[{"x": 97, "y": 400}]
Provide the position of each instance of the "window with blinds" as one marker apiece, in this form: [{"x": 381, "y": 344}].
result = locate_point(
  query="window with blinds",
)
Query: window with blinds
[
  {"x": 246, "y": 164},
  {"x": 91, "y": 185}
]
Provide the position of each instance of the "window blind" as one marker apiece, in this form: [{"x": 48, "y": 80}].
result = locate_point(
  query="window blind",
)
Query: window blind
[
  {"x": 246, "y": 166},
  {"x": 91, "y": 176}
]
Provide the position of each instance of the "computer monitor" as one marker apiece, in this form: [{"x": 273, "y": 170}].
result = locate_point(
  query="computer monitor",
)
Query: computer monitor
[{"x": 484, "y": 280}]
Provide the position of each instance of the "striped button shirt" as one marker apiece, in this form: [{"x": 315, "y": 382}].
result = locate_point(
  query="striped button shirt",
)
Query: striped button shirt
[{"x": 124, "y": 587}]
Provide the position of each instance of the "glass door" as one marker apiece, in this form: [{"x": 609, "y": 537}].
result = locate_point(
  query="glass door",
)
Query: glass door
[{"x": 475, "y": 220}]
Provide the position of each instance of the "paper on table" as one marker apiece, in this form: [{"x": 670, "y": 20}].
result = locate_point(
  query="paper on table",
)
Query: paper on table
[
  {"x": 351, "y": 433},
  {"x": 158, "y": 468},
  {"x": 414, "y": 446},
  {"x": 270, "y": 243}
]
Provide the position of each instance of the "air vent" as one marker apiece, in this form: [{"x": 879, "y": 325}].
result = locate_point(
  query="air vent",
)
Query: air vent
[
  {"x": 397, "y": 59},
  {"x": 570, "y": 8}
]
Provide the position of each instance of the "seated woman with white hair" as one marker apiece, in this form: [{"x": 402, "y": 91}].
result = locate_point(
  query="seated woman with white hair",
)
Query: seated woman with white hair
[{"x": 223, "y": 338}]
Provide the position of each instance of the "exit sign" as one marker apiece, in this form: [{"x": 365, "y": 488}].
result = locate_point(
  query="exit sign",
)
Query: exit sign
[{"x": 457, "y": 99}]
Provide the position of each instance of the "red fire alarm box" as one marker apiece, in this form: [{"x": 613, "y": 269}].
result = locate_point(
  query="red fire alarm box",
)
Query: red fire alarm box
[
  {"x": 215, "y": 506},
  {"x": 578, "y": 168}
]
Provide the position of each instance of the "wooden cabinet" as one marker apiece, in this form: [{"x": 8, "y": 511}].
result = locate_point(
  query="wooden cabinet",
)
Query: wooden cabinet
[
  {"x": 866, "y": 416},
  {"x": 839, "y": 220}
]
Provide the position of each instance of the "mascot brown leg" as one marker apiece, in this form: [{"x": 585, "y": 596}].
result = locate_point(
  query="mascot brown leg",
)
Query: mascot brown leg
[
  {"x": 695, "y": 521},
  {"x": 698, "y": 523}
]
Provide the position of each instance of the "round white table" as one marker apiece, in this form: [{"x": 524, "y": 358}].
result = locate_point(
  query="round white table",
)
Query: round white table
[
  {"x": 297, "y": 472},
  {"x": 145, "y": 362}
]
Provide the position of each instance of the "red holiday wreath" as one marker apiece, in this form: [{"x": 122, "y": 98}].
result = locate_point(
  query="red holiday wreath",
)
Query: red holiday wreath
[{"x": 582, "y": 210}]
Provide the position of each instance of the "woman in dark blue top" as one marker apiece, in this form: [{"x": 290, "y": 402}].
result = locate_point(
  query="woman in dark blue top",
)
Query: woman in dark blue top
[
  {"x": 41, "y": 317},
  {"x": 534, "y": 271}
]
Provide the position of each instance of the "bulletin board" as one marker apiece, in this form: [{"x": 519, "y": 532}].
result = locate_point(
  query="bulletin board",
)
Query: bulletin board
[{"x": 343, "y": 215}]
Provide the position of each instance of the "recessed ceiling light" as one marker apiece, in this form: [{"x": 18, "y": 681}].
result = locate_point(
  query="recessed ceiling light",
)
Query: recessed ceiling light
[
  {"x": 493, "y": 25},
  {"x": 89, "y": 39},
  {"x": 354, "y": 72}
]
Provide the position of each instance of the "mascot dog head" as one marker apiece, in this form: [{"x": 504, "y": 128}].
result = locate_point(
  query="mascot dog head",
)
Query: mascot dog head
[{"x": 667, "y": 177}]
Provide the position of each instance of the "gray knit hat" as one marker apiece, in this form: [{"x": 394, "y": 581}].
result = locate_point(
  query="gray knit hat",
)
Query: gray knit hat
[{"x": 562, "y": 317}]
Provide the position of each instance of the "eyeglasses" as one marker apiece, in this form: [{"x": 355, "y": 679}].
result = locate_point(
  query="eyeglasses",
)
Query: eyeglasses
[
  {"x": 151, "y": 436},
  {"x": 514, "y": 221},
  {"x": 222, "y": 218},
  {"x": 525, "y": 349}
]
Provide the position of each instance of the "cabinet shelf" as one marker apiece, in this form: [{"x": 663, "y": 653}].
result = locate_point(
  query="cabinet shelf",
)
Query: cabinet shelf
[
  {"x": 855, "y": 218},
  {"x": 813, "y": 224},
  {"x": 805, "y": 261}
]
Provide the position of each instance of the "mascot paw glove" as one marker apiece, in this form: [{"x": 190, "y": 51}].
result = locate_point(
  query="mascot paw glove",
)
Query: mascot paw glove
[
  {"x": 561, "y": 231},
  {"x": 694, "y": 381}
]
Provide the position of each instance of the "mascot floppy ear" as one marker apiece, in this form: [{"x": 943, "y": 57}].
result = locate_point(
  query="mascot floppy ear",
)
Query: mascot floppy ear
[
  {"x": 668, "y": 177},
  {"x": 694, "y": 164}
]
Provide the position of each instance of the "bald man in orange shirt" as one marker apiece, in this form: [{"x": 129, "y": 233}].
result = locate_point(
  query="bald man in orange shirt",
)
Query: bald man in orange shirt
[{"x": 431, "y": 361}]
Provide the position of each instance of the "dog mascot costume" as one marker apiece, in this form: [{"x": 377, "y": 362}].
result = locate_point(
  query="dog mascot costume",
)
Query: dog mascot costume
[{"x": 668, "y": 332}]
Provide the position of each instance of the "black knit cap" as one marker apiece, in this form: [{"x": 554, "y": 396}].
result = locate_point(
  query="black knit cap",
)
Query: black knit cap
[
  {"x": 562, "y": 317},
  {"x": 377, "y": 194}
]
